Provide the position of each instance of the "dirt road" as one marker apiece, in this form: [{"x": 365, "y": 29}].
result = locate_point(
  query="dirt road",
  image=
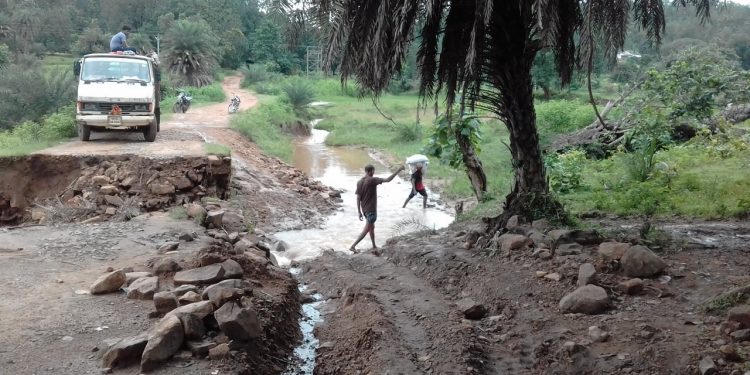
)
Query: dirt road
[{"x": 398, "y": 312}]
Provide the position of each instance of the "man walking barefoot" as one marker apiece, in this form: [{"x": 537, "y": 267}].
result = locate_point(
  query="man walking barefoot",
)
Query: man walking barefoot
[{"x": 367, "y": 202}]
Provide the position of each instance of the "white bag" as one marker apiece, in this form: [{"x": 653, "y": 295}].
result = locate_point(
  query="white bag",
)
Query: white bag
[{"x": 417, "y": 159}]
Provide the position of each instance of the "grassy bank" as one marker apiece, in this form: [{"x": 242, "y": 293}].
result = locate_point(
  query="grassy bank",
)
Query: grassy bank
[
  {"x": 32, "y": 136},
  {"x": 265, "y": 124},
  {"x": 709, "y": 177}
]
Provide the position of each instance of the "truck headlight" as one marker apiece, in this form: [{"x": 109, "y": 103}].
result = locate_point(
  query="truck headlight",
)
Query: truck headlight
[
  {"x": 141, "y": 107},
  {"x": 90, "y": 107}
]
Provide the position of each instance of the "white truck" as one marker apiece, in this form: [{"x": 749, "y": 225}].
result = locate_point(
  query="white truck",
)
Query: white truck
[{"x": 118, "y": 92}]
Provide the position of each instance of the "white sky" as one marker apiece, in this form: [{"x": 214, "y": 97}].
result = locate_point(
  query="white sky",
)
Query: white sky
[{"x": 745, "y": 2}]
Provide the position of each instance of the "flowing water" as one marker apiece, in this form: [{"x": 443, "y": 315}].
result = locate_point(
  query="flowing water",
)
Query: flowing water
[{"x": 341, "y": 168}]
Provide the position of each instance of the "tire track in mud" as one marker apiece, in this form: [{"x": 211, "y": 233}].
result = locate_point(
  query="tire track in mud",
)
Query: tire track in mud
[{"x": 408, "y": 326}]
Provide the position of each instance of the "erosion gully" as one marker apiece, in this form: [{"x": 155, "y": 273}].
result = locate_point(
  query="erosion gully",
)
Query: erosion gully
[{"x": 341, "y": 168}]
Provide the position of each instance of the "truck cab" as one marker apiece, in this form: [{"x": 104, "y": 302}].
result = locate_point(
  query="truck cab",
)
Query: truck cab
[{"x": 117, "y": 92}]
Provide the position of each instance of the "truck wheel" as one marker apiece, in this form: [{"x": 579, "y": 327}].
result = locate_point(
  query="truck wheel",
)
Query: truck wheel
[
  {"x": 84, "y": 132},
  {"x": 149, "y": 132}
]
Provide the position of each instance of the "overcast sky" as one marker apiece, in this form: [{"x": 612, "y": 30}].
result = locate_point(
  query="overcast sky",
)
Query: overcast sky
[{"x": 746, "y": 2}]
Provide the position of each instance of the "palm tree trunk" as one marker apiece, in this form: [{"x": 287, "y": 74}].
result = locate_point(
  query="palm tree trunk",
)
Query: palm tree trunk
[
  {"x": 473, "y": 165},
  {"x": 530, "y": 196}
]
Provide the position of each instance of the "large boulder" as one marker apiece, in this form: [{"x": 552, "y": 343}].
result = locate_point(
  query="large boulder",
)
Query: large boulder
[
  {"x": 133, "y": 276},
  {"x": 232, "y": 269},
  {"x": 237, "y": 322},
  {"x": 201, "y": 275},
  {"x": 215, "y": 219},
  {"x": 109, "y": 283},
  {"x": 164, "y": 340},
  {"x": 611, "y": 251},
  {"x": 588, "y": 299},
  {"x": 509, "y": 242},
  {"x": 165, "y": 302},
  {"x": 231, "y": 283},
  {"x": 234, "y": 222},
  {"x": 143, "y": 288},
  {"x": 639, "y": 261},
  {"x": 167, "y": 266},
  {"x": 125, "y": 352},
  {"x": 200, "y": 309},
  {"x": 194, "y": 210},
  {"x": 740, "y": 314},
  {"x": 193, "y": 326}
]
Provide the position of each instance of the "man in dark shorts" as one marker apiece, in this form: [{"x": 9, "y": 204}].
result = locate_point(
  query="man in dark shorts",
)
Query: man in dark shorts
[
  {"x": 417, "y": 187},
  {"x": 367, "y": 202}
]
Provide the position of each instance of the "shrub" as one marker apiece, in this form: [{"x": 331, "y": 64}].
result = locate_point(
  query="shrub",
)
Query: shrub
[
  {"x": 407, "y": 133},
  {"x": 298, "y": 93},
  {"x": 267, "y": 88},
  {"x": 264, "y": 126},
  {"x": 563, "y": 116},
  {"x": 565, "y": 171},
  {"x": 254, "y": 74}
]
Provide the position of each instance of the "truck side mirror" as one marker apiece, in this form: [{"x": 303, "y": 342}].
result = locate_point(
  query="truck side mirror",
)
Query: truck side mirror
[{"x": 77, "y": 68}]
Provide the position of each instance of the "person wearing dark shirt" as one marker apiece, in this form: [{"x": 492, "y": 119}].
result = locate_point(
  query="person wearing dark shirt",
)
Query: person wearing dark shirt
[
  {"x": 367, "y": 202},
  {"x": 417, "y": 187}
]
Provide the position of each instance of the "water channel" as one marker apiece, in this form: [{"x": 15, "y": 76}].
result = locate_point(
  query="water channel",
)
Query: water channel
[{"x": 341, "y": 168}]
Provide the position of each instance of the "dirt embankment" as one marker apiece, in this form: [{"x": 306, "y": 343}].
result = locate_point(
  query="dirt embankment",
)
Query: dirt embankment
[{"x": 407, "y": 310}]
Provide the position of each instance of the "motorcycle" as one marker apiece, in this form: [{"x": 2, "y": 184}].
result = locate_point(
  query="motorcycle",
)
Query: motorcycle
[
  {"x": 182, "y": 104},
  {"x": 234, "y": 104}
]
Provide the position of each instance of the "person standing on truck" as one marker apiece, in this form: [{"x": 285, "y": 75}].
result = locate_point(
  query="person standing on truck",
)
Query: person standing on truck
[
  {"x": 417, "y": 187},
  {"x": 119, "y": 42},
  {"x": 367, "y": 202}
]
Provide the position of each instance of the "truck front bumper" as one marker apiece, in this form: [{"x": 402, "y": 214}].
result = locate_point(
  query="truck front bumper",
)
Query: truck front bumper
[{"x": 125, "y": 121}]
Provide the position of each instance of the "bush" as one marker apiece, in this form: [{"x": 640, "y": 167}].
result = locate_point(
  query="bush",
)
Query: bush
[
  {"x": 333, "y": 87},
  {"x": 565, "y": 171},
  {"x": 298, "y": 93},
  {"x": 267, "y": 88},
  {"x": 562, "y": 116},
  {"x": 254, "y": 74}
]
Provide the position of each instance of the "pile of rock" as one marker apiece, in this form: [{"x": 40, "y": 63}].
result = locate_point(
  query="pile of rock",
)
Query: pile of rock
[
  {"x": 734, "y": 342},
  {"x": 208, "y": 309},
  {"x": 129, "y": 183},
  {"x": 583, "y": 251}
]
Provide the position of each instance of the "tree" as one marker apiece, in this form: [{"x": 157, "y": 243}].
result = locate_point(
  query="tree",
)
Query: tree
[
  {"x": 544, "y": 74},
  {"x": 480, "y": 53},
  {"x": 191, "y": 50},
  {"x": 92, "y": 39},
  {"x": 268, "y": 46}
]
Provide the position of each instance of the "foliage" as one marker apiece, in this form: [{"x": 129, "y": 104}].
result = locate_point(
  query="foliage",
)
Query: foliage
[
  {"x": 4, "y": 55},
  {"x": 29, "y": 93},
  {"x": 268, "y": 47},
  {"x": 690, "y": 87},
  {"x": 544, "y": 74},
  {"x": 254, "y": 73},
  {"x": 442, "y": 142},
  {"x": 192, "y": 52},
  {"x": 298, "y": 93},
  {"x": 264, "y": 125},
  {"x": 565, "y": 171},
  {"x": 235, "y": 48},
  {"x": 561, "y": 116},
  {"x": 92, "y": 39},
  {"x": 30, "y": 135},
  {"x": 140, "y": 42},
  {"x": 216, "y": 149}
]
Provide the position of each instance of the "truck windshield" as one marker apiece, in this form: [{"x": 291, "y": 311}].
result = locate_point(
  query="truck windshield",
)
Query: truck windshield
[{"x": 115, "y": 69}]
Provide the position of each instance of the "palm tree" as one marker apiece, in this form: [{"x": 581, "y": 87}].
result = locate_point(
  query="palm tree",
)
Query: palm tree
[
  {"x": 479, "y": 53},
  {"x": 191, "y": 50}
]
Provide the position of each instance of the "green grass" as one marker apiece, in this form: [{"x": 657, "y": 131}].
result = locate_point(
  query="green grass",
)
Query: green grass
[
  {"x": 265, "y": 125},
  {"x": 178, "y": 213},
  {"x": 30, "y": 136},
  {"x": 689, "y": 181},
  {"x": 216, "y": 149},
  {"x": 210, "y": 94}
]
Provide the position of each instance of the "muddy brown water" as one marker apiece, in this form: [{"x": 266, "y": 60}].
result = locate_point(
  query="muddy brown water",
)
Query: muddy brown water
[{"x": 341, "y": 168}]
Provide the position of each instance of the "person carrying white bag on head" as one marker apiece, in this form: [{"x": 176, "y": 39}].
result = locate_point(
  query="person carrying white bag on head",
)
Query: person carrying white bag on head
[{"x": 417, "y": 168}]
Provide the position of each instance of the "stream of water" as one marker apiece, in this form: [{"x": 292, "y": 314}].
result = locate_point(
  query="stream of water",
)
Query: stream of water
[{"x": 341, "y": 168}]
